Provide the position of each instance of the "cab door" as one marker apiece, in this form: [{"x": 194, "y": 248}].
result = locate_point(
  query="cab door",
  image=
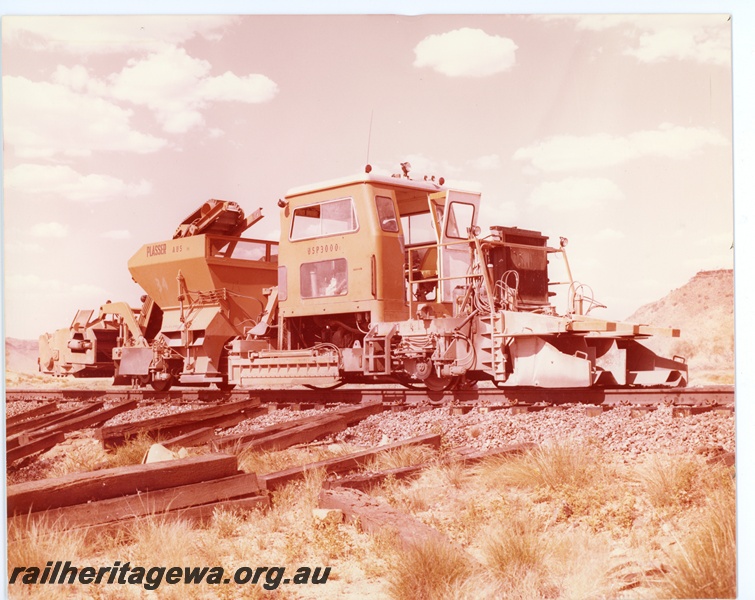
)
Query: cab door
[{"x": 453, "y": 213}]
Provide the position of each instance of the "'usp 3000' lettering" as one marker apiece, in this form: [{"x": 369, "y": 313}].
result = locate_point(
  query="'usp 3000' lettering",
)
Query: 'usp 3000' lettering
[
  {"x": 156, "y": 249},
  {"x": 322, "y": 249}
]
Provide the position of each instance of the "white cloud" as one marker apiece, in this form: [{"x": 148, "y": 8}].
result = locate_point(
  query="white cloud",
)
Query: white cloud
[
  {"x": 161, "y": 76},
  {"x": 568, "y": 152},
  {"x": 601, "y": 22},
  {"x": 45, "y": 119},
  {"x": 466, "y": 53},
  {"x": 711, "y": 47},
  {"x": 575, "y": 193},
  {"x": 229, "y": 87},
  {"x": 42, "y": 288},
  {"x": 64, "y": 182},
  {"x": 19, "y": 249},
  {"x": 659, "y": 38},
  {"x": 490, "y": 162},
  {"x": 110, "y": 34},
  {"x": 176, "y": 87},
  {"x": 76, "y": 77},
  {"x": 34, "y": 283},
  {"x": 116, "y": 234},
  {"x": 180, "y": 120},
  {"x": 28, "y": 282},
  {"x": 49, "y": 230}
]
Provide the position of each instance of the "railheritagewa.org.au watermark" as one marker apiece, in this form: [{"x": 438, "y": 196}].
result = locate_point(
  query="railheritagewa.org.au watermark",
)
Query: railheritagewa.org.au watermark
[{"x": 64, "y": 573}]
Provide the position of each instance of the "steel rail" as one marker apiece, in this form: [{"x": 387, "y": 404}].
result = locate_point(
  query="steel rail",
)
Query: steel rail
[{"x": 691, "y": 396}]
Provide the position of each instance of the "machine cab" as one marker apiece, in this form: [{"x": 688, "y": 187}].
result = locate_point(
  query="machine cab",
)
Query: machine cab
[{"x": 351, "y": 251}]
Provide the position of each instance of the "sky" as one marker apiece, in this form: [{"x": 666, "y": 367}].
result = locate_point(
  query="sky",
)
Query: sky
[{"x": 614, "y": 131}]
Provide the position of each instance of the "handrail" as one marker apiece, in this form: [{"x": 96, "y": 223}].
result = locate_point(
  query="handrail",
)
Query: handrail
[{"x": 475, "y": 244}]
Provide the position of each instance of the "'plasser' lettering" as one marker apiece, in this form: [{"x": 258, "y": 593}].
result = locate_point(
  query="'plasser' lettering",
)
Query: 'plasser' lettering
[{"x": 156, "y": 249}]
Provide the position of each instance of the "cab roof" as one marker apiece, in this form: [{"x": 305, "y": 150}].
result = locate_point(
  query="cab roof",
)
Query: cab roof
[{"x": 371, "y": 178}]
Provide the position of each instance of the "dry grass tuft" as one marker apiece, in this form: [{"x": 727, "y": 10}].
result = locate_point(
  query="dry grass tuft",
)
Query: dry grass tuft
[
  {"x": 331, "y": 541},
  {"x": 437, "y": 483},
  {"x": 429, "y": 571},
  {"x": 553, "y": 466},
  {"x": 312, "y": 486},
  {"x": 520, "y": 557},
  {"x": 35, "y": 543},
  {"x": 167, "y": 541},
  {"x": 411, "y": 498},
  {"x": 133, "y": 451},
  {"x": 86, "y": 455},
  {"x": 573, "y": 481},
  {"x": 264, "y": 461},
  {"x": 291, "y": 513},
  {"x": 514, "y": 548},
  {"x": 383, "y": 549},
  {"x": 668, "y": 483},
  {"x": 703, "y": 563},
  {"x": 301, "y": 496},
  {"x": 405, "y": 456},
  {"x": 454, "y": 474},
  {"x": 227, "y": 522}
]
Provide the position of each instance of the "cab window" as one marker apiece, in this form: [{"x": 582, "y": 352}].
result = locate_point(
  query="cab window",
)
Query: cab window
[
  {"x": 419, "y": 229},
  {"x": 386, "y": 214},
  {"x": 460, "y": 217},
  {"x": 324, "y": 278},
  {"x": 326, "y": 218}
]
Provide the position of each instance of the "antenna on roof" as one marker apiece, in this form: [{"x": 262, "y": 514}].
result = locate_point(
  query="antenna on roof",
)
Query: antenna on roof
[{"x": 369, "y": 136}]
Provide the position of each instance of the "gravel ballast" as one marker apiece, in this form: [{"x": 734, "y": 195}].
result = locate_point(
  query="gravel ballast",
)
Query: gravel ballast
[{"x": 617, "y": 430}]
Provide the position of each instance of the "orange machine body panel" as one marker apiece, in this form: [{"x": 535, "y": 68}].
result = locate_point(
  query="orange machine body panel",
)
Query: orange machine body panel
[
  {"x": 343, "y": 246},
  {"x": 211, "y": 288},
  {"x": 243, "y": 267}
]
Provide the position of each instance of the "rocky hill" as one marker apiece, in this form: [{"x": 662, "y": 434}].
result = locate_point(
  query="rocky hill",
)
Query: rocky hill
[
  {"x": 703, "y": 309},
  {"x": 21, "y": 355}
]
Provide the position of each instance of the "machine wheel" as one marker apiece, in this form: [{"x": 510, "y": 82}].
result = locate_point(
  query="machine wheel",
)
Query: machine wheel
[
  {"x": 324, "y": 388},
  {"x": 408, "y": 384},
  {"x": 224, "y": 386},
  {"x": 433, "y": 384},
  {"x": 440, "y": 384},
  {"x": 161, "y": 385}
]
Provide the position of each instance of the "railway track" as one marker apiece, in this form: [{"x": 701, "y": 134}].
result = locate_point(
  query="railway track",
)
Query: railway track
[
  {"x": 699, "y": 398},
  {"x": 249, "y": 420}
]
